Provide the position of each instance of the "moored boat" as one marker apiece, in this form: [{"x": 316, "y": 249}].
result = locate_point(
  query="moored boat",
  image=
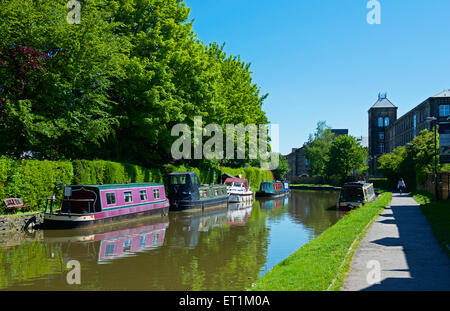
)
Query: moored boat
[
  {"x": 286, "y": 187},
  {"x": 187, "y": 194},
  {"x": 355, "y": 194},
  {"x": 99, "y": 204},
  {"x": 238, "y": 190},
  {"x": 271, "y": 189}
]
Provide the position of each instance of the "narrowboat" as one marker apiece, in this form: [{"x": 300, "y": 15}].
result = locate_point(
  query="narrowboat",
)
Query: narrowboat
[
  {"x": 99, "y": 204},
  {"x": 271, "y": 189},
  {"x": 238, "y": 190},
  {"x": 286, "y": 187},
  {"x": 187, "y": 194},
  {"x": 355, "y": 194}
]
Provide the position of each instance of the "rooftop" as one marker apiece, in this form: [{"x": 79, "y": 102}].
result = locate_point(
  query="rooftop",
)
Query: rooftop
[
  {"x": 383, "y": 102},
  {"x": 445, "y": 93}
]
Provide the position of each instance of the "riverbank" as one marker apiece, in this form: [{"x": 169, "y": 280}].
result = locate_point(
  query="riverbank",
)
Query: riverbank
[
  {"x": 438, "y": 215},
  {"x": 10, "y": 223},
  {"x": 322, "y": 263},
  {"x": 33, "y": 180}
]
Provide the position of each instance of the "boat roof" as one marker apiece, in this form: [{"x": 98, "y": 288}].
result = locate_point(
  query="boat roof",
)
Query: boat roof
[
  {"x": 242, "y": 180},
  {"x": 119, "y": 186},
  {"x": 183, "y": 173},
  {"x": 237, "y": 180},
  {"x": 357, "y": 184}
]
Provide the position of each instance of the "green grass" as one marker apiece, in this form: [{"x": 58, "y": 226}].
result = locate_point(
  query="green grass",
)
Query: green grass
[
  {"x": 438, "y": 215},
  {"x": 317, "y": 264}
]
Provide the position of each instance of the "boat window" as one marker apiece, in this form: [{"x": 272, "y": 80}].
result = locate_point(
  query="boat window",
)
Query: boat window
[
  {"x": 109, "y": 249},
  {"x": 178, "y": 180},
  {"x": 195, "y": 180},
  {"x": 156, "y": 193},
  {"x": 143, "y": 194},
  {"x": 352, "y": 194},
  {"x": 110, "y": 198},
  {"x": 127, "y": 196}
]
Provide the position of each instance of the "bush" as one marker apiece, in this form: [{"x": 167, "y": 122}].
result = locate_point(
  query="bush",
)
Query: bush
[{"x": 380, "y": 183}]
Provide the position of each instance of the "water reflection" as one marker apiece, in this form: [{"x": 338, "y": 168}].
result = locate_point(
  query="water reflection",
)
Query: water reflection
[{"x": 224, "y": 248}]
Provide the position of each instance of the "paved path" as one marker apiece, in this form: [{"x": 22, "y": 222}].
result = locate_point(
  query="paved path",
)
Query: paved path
[{"x": 409, "y": 256}]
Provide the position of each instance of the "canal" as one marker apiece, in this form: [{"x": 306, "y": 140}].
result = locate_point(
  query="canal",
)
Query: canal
[{"x": 224, "y": 249}]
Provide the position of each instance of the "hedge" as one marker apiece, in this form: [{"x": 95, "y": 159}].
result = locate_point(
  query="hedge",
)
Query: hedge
[
  {"x": 380, "y": 183},
  {"x": 34, "y": 180}
]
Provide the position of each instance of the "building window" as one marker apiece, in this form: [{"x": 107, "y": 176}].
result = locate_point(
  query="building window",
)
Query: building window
[
  {"x": 386, "y": 121},
  {"x": 110, "y": 198},
  {"x": 380, "y": 122},
  {"x": 156, "y": 193},
  {"x": 444, "y": 110},
  {"x": 380, "y": 135},
  {"x": 143, "y": 194},
  {"x": 380, "y": 148},
  {"x": 127, "y": 196},
  {"x": 415, "y": 125}
]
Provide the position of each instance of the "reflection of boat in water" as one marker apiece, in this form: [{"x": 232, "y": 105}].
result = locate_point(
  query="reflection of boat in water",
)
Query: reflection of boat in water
[
  {"x": 186, "y": 228},
  {"x": 116, "y": 240},
  {"x": 274, "y": 204},
  {"x": 238, "y": 213}
]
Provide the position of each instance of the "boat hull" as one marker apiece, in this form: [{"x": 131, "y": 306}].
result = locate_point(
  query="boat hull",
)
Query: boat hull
[
  {"x": 263, "y": 194},
  {"x": 198, "y": 205},
  {"x": 240, "y": 198}
]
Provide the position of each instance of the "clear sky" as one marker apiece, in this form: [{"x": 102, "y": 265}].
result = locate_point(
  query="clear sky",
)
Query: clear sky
[{"x": 321, "y": 60}]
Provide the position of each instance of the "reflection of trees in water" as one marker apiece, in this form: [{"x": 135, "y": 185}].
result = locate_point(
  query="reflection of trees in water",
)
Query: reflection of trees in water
[
  {"x": 314, "y": 209},
  {"x": 27, "y": 261}
]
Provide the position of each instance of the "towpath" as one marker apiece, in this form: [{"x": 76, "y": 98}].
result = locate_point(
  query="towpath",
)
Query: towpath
[{"x": 400, "y": 252}]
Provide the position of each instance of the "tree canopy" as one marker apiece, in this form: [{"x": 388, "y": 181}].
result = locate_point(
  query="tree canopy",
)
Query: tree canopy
[{"x": 115, "y": 84}]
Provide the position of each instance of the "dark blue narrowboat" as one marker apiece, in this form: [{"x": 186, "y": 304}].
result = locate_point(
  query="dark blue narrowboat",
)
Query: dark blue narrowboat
[{"x": 187, "y": 194}]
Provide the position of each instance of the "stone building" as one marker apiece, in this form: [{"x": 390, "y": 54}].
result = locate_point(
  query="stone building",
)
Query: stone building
[
  {"x": 387, "y": 132},
  {"x": 298, "y": 164}
]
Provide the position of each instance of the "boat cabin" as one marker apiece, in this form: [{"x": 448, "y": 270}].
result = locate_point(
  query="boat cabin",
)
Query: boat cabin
[
  {"x": 186, "y": 192},
  {"x": 356, "y": 194}
]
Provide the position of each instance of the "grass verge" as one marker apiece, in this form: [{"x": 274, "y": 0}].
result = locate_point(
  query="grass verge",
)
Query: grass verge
[
  {"x": 438, "y": 215},
  {"x": 326, "y": 259}
]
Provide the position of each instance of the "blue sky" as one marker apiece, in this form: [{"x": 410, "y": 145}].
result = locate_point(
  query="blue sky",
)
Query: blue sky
[{"x": 321, "y": 60}]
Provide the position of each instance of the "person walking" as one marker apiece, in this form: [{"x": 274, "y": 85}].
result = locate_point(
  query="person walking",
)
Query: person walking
[{"x": 401, "y": 185}]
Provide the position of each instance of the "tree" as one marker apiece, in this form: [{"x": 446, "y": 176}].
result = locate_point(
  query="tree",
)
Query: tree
[
  {"x": 113, "y": 86},
  {"x": 283, "y": 168},
  {"x": 316, "y": 150},
  {"x": 345, "y": 156},
  {"x": 413, "y": 163}
]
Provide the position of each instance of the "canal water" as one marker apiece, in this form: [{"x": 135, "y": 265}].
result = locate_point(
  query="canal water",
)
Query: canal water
[{"x": 221, "y": 249}]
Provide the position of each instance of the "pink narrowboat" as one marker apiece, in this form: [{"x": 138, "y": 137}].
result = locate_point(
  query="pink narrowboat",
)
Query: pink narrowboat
[{"x": 98, "y": 204}]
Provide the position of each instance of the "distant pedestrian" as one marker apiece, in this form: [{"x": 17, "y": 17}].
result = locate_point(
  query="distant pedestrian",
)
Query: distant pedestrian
[{"x": 401, "y": 185}]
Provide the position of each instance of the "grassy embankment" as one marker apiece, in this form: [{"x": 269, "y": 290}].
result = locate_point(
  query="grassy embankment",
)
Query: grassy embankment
[
  {"x": 438, "y": 215},
  {"x": 323, "y": 263}
]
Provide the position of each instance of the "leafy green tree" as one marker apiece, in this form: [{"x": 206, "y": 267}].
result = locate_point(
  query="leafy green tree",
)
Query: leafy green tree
[
  {"x": 413, "y": 162},
  {"x": 283, "y": 168},
  {"x": 316, "y": 150},
  {"x": 345, "y": 156},
  {"x": 113, "y": 86}
]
